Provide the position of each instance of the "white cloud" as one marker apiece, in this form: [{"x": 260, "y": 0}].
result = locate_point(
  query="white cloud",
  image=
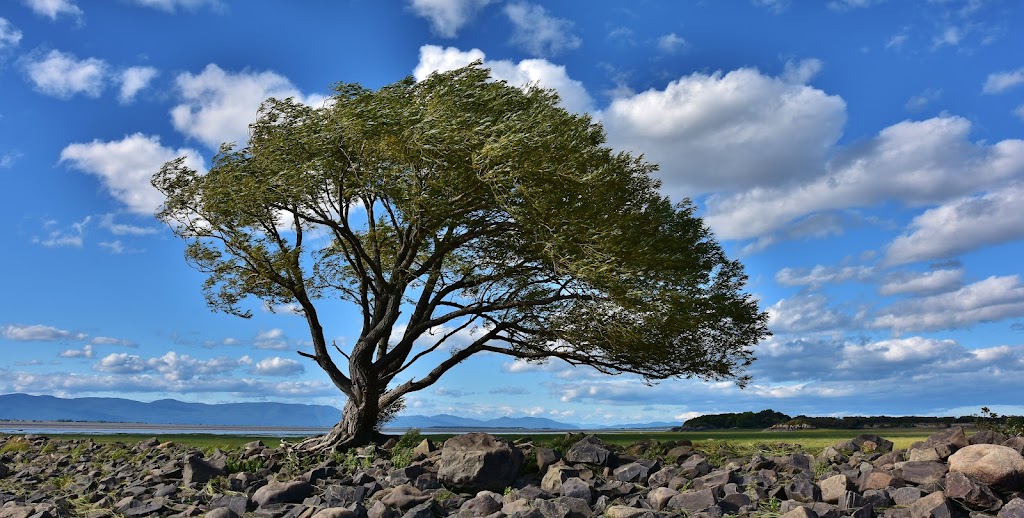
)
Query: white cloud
[
  {"x": 447, "y": 16},
  {"x": 528, "y": 71},
  {"x": 7, "y": 160},
  {"x": 218, "y": 106},
  {"x": 776, "y": 6},
  {"x": 671, "y": 43},
  {"x": 124, "y": 229},
  {"x": 950, "y": 36},
  {"x": 85, "y": 352},
  {"x": 133, "y": 80},
  {"x": 922, "y": 100},
  {"x": 913, "y": 162},
  {"x": 961, "y": 226},
  {"x": 10, "y": 36},
  {"x": 63, "y": 75},
  {"x": 1019, "y": 112},
  {"x": 926, "y": 283},
  {"x": 821, "y": 274},
  {"x": 37, "y": 333},
  {"x": 106, "y": 340},
  {"x": 115, "y": 247},
  {"x": 277, "y": 366},
  {"x": 729, "y": 131},
  {"x": 992, "y": 299},
  {"x": 121, "y": 363},
  {"x": 172, "y": 5},
  {"x": 805, "y": 313},
  {"x": 537, "y": 32},
  {"x": 125, "y": 167},
  {"x": 1002, "y": 81},
  {"x": 59, "y": 237},
  {"x": 54, "y": 8},
  {"x": 271, "y": 339},
  {"x": 914, "y": 349},
  {"x": 846, "y": 5}
]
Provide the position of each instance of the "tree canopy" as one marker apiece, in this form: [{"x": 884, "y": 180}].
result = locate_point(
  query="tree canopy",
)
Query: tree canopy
[{"x": 459, "y": 203}]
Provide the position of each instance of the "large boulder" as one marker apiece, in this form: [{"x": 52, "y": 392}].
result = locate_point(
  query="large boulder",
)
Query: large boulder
[
  {"x": 998, "y": 466},
  {"x": 477, "y": 461},
  {"x": 589, "y": 450}
]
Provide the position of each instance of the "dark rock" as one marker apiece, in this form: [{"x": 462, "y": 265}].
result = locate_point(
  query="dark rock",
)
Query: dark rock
[
  {"x": 971, "y": 493},
  {"x": 632, "y": 472},
  {"x": 662, "y": 477},
  {"x": 478, "y": 461},
  {"x": 545, "y": 458},
  {"x": 282, "y": 492},
  {"x": 222, "y": 512},
  {"x": 803, "y": 490},
  {"x": 198, "y": 470},
  {"x": 237, "y": 503},
  {"x": 589, "y": 450},
  {"x": 879, "y": 498},
  {"x": 905, "y": 496},
  {"x": 379, "y": 510},
  {"x": 714, "y": 479},
  {"x": 693, "y": 500},
  {"x": 563, "y": 507},
  {"x": 483, "y": 504},
  {"x": 852, "y": 500},
  {"x": 987, "y": 437},
  {"x": 732, "y": 503},
  {"x": 659, "y": 497},
  {"x": 865, "y": 443},
  {"x": 625, "y": 511},
  {"x": 428, "y": 509},
  {"x": 694, "y": 466},
  {"x": 556, "y": 475},
  {"x": 1017, "y": 443},
  {"x": 577, "y": 488},
  {"x": 917, "y": 472},
  {"x": 404, "y": 496},
  {"x": 998, "y": 466}
]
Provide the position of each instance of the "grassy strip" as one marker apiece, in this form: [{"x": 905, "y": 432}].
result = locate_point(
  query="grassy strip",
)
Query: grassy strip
[{"x": 810, "y": 440}]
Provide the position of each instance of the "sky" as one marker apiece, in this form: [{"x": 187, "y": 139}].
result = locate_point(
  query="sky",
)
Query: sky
[{"x": 863, "y": 159}]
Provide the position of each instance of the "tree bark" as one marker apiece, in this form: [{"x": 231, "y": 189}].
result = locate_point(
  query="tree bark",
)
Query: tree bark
[{"x": 356, "y": 428}]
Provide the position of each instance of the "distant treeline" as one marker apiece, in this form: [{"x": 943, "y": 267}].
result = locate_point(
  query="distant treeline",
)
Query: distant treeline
[{"x": 769, "y": 418}]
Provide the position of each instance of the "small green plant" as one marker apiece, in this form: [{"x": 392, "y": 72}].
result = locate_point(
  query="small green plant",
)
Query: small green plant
[
  {"x": 251, "y": 465},
  {"x": 49, "y": 447},
  {"x": 15, "y": 445},
  {"x": 401, "y": 454},
  {"x": 443, "y": 495},
  {"x": 508, "y": 491},
  {"x": 768, "y": 508}
]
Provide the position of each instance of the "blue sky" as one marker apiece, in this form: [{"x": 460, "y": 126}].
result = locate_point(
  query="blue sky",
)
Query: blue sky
[{"x": 864, "y": 159}]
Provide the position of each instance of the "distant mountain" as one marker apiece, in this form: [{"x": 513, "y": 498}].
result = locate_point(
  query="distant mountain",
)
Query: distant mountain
[
  {"x": 24, "y": 407},
  {"x": 451, "y": 421}
]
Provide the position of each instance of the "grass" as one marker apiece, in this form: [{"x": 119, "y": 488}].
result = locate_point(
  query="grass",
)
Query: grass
[{"x": 812, "y": 441}]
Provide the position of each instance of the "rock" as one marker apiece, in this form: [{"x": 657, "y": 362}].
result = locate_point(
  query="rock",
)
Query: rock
[
  {"x": 935, "y": 505},
  {"x": 694, "y": 466},
  {"x": 4, "y": 470},
  {"x": 379, "y": 510},
  {"x": 424, "y": 447},
  {"x": 918, "y": 472},
  {"x": 222, "y": 512},
  {"x": 428, "y": 509},
  {"x": 556, "y": 475},
  {"x": 866, "y": 443},
  {"x": 574, "y": 487},
  {"x": 970, "y": 492},
  {"x": 998, "y": 466},
  {"x": 832, "y": 488},
  {"x": 659, "y": 497},
  {"x": 282, "y": 492},
  {"x": 1017, "y": 443},
  {"x": 923, "y": 454},
  {"x": 483, "y": 504},
  {"x": 905, "y": 496},
  {"x": 564, "y": 507},
  {"x": 632, "y": 472},
  {"x": 404, "y": 497},
  {"x": 335, "y": 512},
  {"x": 545, "y": 458},
  {"x": 198, "y": 470},
  {"x": 478, "y": 461},
  {"x": 987, "y": 437},
  {"x": 625, "y": 511},
  {"x": 589, "y": 450},
  {"x": 803, "y": 490},
  {"x": 691, "y": 501},
  {"x": 800, "y": 512},
  {"x": 877, "y": 479},
  {"x": 1013, "y": 509}
]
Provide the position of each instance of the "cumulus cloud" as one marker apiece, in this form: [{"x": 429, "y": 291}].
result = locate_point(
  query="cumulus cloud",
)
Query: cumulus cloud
[
  {"x": 171, "y": 366},
  {"x": 922, "y": 283},
  {"x": 741, "y": 129},
  {"x": 85, "y": 352},
  {"x": 528, "y": 71},
  {"x": 54, "y": 8},
  {"x": 217, "y": 106},
  {"x": 10, "y": 36},
  {"x": 271, "y": 339},
  {"x": 107, "y": 340},
  {"x": 804, "y": 313},
  {"x": 961, "y": 226},
  {"x": 538, "y": 33},
  {"x": 133, "y": 80},
  {"x": 277, "y": 366},
  {"x": 121, "y": 363},
  {"x": 1000, "y": 82},
  {"x": 992, "y": 299},
  {"x": 672, "y": 43},
  {"x": 125, "y": 167},
  {"x": 63, "y": 75},
  {"x": 37, "y": 333},
  {"x": 913, "y": 161},
  {"x": 447, "y": 16}
]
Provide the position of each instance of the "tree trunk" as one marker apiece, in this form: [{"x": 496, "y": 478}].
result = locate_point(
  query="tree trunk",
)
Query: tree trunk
[{"x": 356, "y": 428}]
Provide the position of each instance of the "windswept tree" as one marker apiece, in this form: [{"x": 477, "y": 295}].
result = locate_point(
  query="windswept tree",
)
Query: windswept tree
[{"x": 453, "y": 204}]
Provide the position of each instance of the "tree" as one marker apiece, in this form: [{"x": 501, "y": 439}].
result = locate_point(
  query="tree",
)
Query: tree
[{"x": 451, "y": 205}]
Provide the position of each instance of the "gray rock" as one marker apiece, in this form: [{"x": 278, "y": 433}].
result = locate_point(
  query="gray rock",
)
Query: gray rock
[
  {"x": 800, "y": 512},
  {"x": 998, "y": 466},
  {"x": 545, "y": 458},
  {"x": 222, "y": 512},
  {"x": 428, "y": 509},
  {"x": 971, "y": 493},
  {"x": 589, "y": 450},
  {"x": 632, "y": 472},
  {"x": 1017, "y": 443},
  {"x": 852, "y": 500},
  {"x": 935, "y": 505},
  {"x": 563, "y": 507},
  {"x": 926, "y": 472},
  {"x": 575, "y": 487},
  {"x": 483, "y": 504},
  {"x": 905, "y": 496},
  {"x": 379, "y": 510},
  {"x": 879, "y": 498},
  {"x": 803, "y": 490},
  {"x": 694, "y": 466},
  {"x": 478, "y": 461},
  {"x": 1013, "y": 509},
  {"x": 336, "y": 512},
  {"x": 282, "y": 492},
  {"x": 662, "y": 477},
  {"x": 732, "y": 503},
  {"x": 987, "y": 437},
  {"x": 404, "y": 496},
  {"x": 659, "y": 497},
  {"x": 198, "y": 470},
  {"x": 625, "y": 511},
  {"x": 556, "y": 475},
  {"x": 693, "y": 500}
]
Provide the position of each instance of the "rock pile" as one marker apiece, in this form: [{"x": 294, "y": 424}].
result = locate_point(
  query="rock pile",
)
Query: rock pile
[{"x": 477, "y": 475}]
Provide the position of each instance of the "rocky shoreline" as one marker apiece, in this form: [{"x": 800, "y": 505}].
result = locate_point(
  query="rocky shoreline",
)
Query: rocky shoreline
[{"x": 477, "y": 474}]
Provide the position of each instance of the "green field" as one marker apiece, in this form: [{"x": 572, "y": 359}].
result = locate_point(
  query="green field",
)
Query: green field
[{"x": 812, "y": 441}]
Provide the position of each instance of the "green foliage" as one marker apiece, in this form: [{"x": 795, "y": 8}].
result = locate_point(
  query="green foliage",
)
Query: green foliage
[
  {"x": 1009, "y": 425},
  {"x": 236, "y": 464},
  {"x": 409, "y": 440},
  {"x": 743, "y": 420},
  {"x": 562, "y": 443},
  {"x": 467, "y": 201},
  {"x": 15, "y": 445}
]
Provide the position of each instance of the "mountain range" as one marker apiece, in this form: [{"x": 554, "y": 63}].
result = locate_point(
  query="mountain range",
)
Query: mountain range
[{"x": 24, "y": 407}]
